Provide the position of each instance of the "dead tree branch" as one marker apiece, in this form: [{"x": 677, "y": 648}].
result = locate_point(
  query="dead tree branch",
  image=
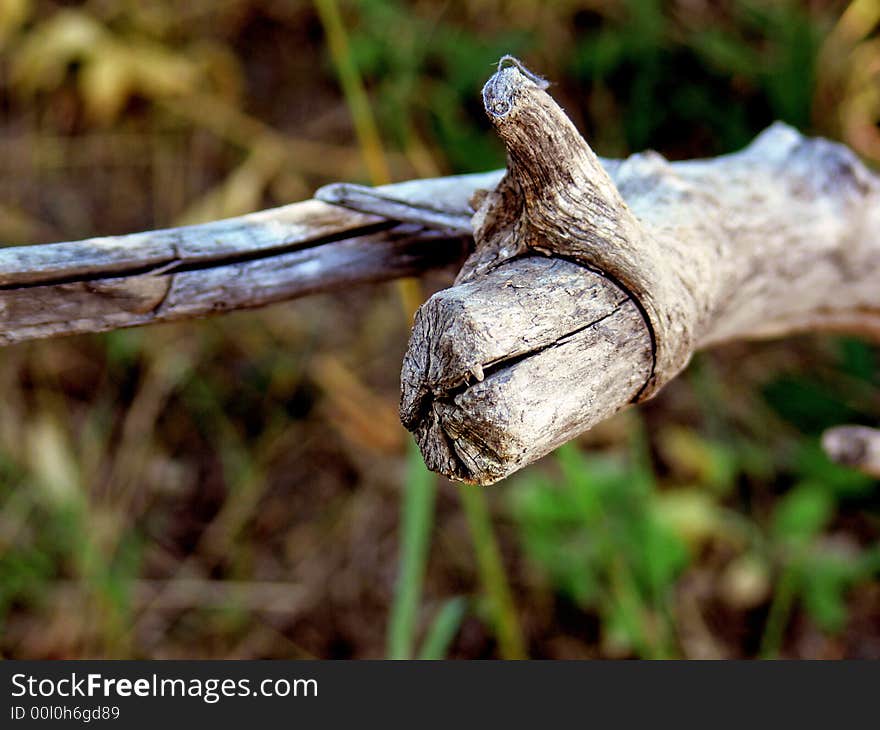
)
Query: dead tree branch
[
  {"x": 592, "y": 284},
  {"x": 160, "y": 276}
]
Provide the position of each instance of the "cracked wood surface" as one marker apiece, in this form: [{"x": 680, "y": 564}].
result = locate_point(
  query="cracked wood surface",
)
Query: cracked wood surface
[
  {"x": 592, "y": 284},
  {"x": 159, "y": 276},
  {"x": 502, "y": 369}
]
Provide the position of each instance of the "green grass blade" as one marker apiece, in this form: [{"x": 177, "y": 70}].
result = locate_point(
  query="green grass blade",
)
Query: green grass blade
[
  {"x": 511, "y": 644},
  {"x": 443, "y": 629},
  {"x": 417, "y": 518},
  {"x": 353, "y": 89},
  {"x": 780, "y": 613}
]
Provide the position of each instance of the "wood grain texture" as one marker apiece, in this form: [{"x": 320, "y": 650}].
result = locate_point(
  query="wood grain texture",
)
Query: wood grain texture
[
  {"x": 159, "y": 276},
  {"x": 503, "y": 369},
  {"x": 783, "y": 236}
]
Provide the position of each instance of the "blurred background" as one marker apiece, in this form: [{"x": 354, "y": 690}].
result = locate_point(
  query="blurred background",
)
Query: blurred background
[{"x": 240, "y": 487}]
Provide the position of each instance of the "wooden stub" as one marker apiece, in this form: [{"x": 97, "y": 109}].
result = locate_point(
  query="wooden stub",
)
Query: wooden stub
[{"x": 503, "y": 369}]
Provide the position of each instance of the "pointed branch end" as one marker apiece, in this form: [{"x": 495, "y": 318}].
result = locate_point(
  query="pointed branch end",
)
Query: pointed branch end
[{"x": 501, "y": 91}]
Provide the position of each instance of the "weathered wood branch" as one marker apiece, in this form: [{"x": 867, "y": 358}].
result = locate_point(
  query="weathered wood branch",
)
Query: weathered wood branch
[
  {"x": 159, "y": 276},
  {"x": 593, "y": 283}
]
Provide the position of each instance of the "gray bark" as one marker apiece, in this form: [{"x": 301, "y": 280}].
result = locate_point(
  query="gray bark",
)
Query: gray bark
[{"x": 159, "y": 276}]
